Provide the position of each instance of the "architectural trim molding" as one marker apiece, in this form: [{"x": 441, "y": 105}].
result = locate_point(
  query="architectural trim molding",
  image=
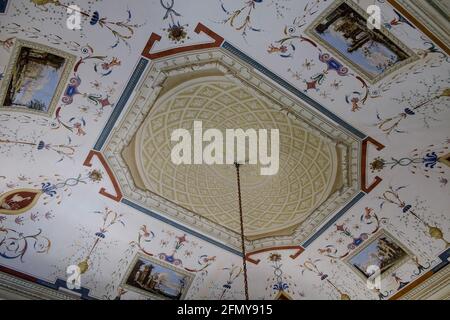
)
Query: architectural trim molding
[
  {"x": 436, "y": 287},
  {"x": 14, "y": 288}
]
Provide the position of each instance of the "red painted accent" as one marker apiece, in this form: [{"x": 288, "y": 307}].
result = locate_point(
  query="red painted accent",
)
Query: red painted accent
[
  {"x": 218, "y": 40},
  {"x": 88, "y": 163},
  {"x": 299, "y": 249},
  {"x": 17, "y": 274},
  {"x": 377, "y": 179}
]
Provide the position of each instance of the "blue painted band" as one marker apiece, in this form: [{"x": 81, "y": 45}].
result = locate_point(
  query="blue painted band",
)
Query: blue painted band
[
  {"x": 292, "y": 89},
  {"x": 180, "y": 227},
  {"x": 137, "y": 73},
  {"x": 347, "y": 207}
]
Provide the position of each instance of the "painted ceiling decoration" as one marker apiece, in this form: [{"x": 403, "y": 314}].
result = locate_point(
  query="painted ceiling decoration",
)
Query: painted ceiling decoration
[{"x": 87, "y": 183}]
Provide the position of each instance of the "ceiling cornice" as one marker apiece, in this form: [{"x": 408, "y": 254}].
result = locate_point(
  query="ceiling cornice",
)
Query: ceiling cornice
[
  {"x": 14, "y": 288},
  {"x": 436, "y": 287}
]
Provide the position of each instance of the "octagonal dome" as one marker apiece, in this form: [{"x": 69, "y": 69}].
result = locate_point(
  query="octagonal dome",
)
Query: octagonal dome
[{"x": 308, "y": 162}]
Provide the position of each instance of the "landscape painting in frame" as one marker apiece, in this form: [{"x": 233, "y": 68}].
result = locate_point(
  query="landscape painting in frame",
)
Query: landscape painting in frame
[
  {"x": 156, "y": 279},
  {"x": 4, "y": 6},
  {"x": 382, "y": 251},
  {"x": 35, "y": 78},
  {"x": 343, "y": 30}
]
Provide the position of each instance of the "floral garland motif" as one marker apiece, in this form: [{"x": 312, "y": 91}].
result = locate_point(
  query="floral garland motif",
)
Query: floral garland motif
[
  {"x": 234, "y": 272},
  {"x": 32, "y": 144},
  {"x": 240, "y": 19},
  {"x": 21, "y": 200},
  {"x": 429, "y": 161},
  {"x": 311, "y": 265},
  {"x": 428, "y": 103},
  {"x": 110, "y": 218},
  {"x": 122, "y": 30},
  {"x": 392, "y": 196},
  {"x": 369, "y": 218}
]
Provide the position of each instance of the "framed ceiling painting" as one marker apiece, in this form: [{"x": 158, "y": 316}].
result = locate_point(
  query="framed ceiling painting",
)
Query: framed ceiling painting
[
  {"x": 35, "y": 78},
  {"x": 4, "y": 6},
  {"x": 382, "y": 251},
  {"x": 374, "y": 54},
  {"x": 156, "y": 279}
]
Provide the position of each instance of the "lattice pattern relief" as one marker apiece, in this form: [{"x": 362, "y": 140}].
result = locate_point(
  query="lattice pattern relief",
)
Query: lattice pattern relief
[{"x": 270, "y": 203}]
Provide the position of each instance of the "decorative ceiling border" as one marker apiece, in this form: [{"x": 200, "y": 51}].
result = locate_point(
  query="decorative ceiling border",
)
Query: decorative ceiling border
[
  {"x": 421, "y": 283},
  {"x": 424, "y": 20},
  {"x": 35, "y": 288},
  {"x": 218, "y": 42},
  {"x": 221, "y": 60}
]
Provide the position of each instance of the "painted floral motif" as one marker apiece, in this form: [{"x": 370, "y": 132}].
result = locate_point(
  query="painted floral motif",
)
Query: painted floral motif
[
  {"x": 122, "y": 30},
  {"x": 392, "y": 196},
  {"x": 427, "y": 106},
  {"x": 430, "y": 161},
  {"x": 312, "y": 266},
  {"x": 103, "y": 245}
]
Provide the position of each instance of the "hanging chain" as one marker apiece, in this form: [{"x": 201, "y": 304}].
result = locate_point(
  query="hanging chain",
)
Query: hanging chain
[{"x": 244, "y": 261}]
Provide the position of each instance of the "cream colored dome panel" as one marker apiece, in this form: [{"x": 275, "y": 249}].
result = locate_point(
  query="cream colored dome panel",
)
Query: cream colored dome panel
[{"x": 308, "y": 164}]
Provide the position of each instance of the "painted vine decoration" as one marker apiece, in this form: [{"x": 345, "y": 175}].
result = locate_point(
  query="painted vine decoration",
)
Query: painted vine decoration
[
  {"x": 63, "y": 150},
  {"x": 241, "y": 19},
  {"x": 311, "y": 265},
  {"x": 122, "y": 30},
  {"x": 101, "y": 65},
  {"x": 18, "y": 201},
  {"x": 279, "y": 282},
  {"x": 110, "y": 218},
  {"x": 204, "y": 261},
  {"x": 15, "y": 244},
  {"x": 428, "y": 105},
  {"x": 430, "y": 161},
  {"x": 35, "y": 33},
  {"x": 30, "y": 143},
  {"x": 286, "y": 48},
  {"x": 234, "y": 272},
  {"x": 392, "y": 196},
  {"x": 72, "y": 90},
  {"x": 145, "y": 237},
  {"x": 370, "y": 219},
  {"x": 171, "y": 257}
]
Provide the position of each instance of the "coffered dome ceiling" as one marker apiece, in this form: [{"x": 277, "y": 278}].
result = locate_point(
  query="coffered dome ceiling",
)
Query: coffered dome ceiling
[
  {"x": 318, "y": 161},
  {"x": 270, "y": 203},
  {"x": 87, "y": 183}
]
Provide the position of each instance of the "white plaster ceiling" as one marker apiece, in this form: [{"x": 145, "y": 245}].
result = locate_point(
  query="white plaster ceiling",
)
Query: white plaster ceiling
[{"x": 79, "y": 226}]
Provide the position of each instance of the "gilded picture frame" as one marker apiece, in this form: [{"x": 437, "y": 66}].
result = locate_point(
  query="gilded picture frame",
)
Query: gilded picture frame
[
  {"x": 42, "y": 80},
  {"x": 365, "y": 249},
  {"x": 4, "y": 4},
  {"x": 156, "y": 279},
  {"x": 390, "y": 41}
]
